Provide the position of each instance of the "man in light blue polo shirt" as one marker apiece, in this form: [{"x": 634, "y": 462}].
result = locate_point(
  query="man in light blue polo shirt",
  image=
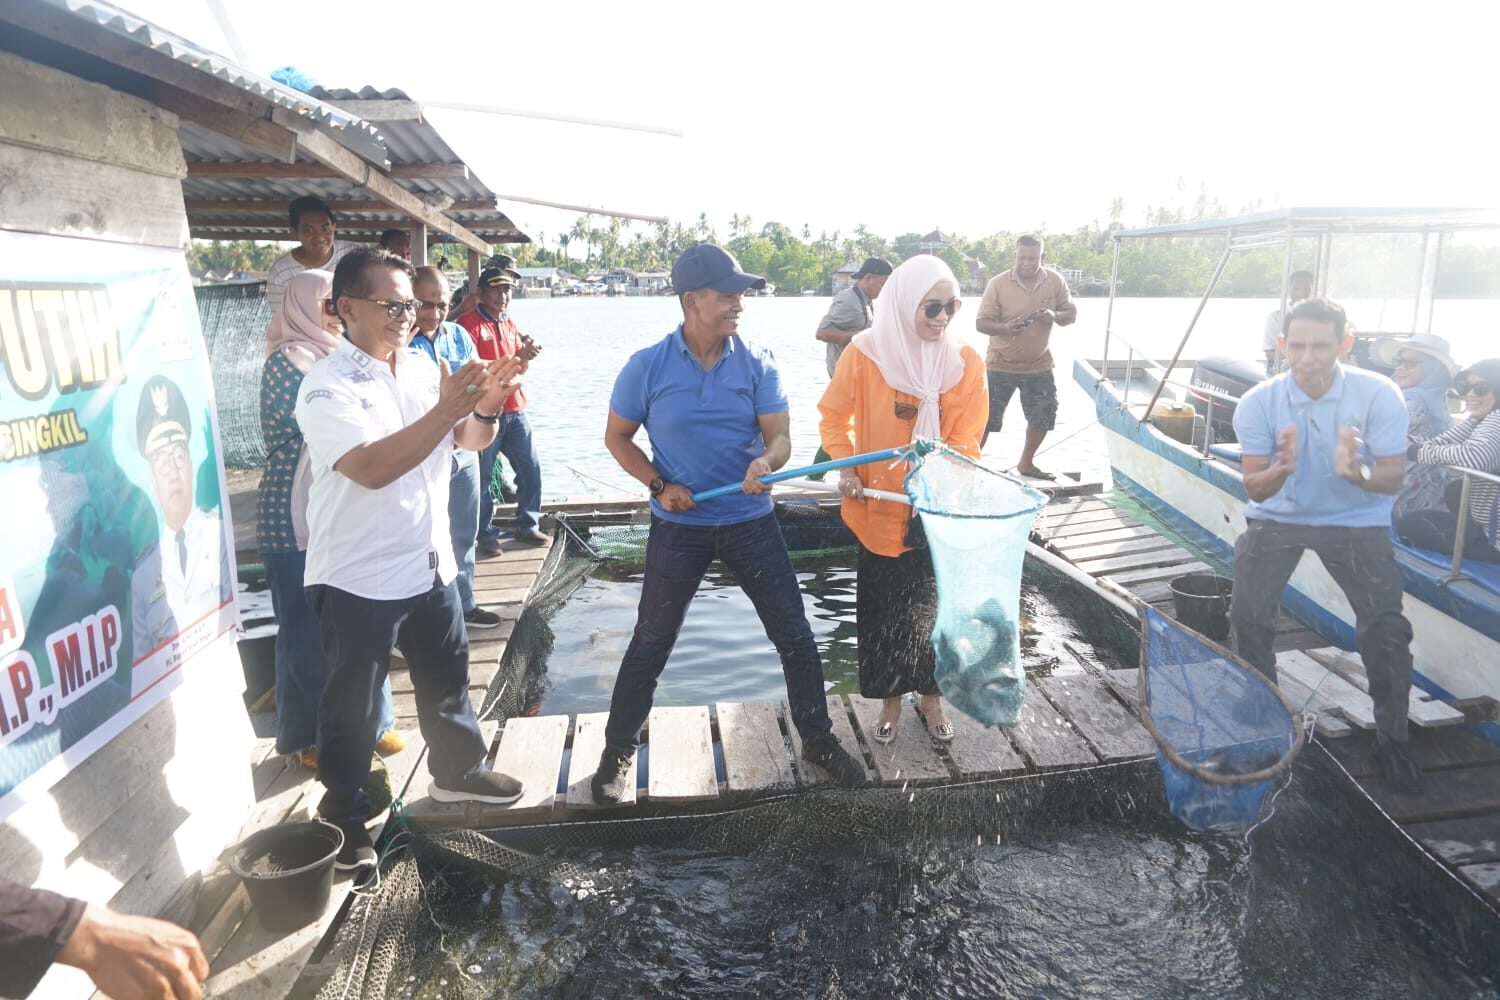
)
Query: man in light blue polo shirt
[
  {"x": 1323, "y": 449},
  {"x": 715, "y": 412}
]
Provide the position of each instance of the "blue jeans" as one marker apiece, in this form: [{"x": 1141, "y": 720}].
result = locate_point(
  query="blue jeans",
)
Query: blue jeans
[
  {"x": 358, "y": 634},
  {"x": 1362, "y": 562},
  {"x": 513, "y": 440},
  {"x": 463, "y": 520},
  {"x": 677, "y": 556},
  {"x": 301, "y": 667}
]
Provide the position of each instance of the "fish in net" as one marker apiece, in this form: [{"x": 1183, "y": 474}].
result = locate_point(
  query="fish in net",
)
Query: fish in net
[
  {"x": 976, "y": 523},
  {"x": 1225, "y": 735}
]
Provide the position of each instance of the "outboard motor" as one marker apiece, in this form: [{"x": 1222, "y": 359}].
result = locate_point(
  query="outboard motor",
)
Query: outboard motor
[{"x": 1228, "y": 377}]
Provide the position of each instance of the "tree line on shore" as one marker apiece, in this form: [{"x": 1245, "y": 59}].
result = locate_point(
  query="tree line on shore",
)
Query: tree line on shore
[{"x": 794, "y": 260}]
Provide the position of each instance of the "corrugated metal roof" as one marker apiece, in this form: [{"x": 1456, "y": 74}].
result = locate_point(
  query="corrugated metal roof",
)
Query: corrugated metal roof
[{"x": 350, "y": 130}]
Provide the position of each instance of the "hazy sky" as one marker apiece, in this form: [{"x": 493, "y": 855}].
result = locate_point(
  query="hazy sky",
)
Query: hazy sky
[{"x": 971, "y": 117}]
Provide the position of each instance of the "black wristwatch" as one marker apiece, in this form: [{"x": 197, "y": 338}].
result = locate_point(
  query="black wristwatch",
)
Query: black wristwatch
[{"x": 656, "y": 485}]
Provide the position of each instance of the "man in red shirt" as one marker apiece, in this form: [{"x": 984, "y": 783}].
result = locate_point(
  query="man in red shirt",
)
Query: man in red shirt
[{"x": 496, "y": 336}]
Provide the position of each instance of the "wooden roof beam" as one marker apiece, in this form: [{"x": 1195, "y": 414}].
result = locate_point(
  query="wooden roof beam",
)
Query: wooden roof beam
[
  {"x": 266, "y": 206},
  {"x": 259, "y": 168},
  {"x": 353, "y": 236}
]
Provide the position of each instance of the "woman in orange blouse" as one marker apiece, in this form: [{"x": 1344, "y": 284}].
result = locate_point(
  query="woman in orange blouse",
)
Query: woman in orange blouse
[{"x": 910, "y": 375}]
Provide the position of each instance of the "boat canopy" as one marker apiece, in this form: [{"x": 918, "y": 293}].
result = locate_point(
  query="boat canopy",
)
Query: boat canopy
[{"x": 1296, "y": 222}]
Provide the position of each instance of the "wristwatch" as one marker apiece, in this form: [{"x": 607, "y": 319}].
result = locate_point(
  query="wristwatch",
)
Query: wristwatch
[
  {"x": 1365, "y": 472},
  {"x": 656, "y": 485}
]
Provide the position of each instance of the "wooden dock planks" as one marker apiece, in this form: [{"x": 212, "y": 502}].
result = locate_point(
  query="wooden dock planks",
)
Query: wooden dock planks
[
  {"x": 682, "y": 755},
  {"x": 980, "y": 751},
  {"x": 838, "y": 714},
  {"x": 755, "y": 751},
  {"x": 1112, "y": 731},
  {"x": 910, "y": 757},
  {"x": 583, "y": 763},
  {"x": 1046, "y": 738},
  {"x": 531, "y": 751}
]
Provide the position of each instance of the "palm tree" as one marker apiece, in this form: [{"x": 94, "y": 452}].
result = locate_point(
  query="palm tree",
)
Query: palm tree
[{"x": 562, "y": 241}]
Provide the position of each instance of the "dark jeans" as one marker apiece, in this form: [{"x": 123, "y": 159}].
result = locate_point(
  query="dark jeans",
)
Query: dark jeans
[
  {"x": 513, "y": 440},
  {"x": 1362, "y": 562},
  {"x": 677, "y": 556},
  {"x": 358, "y": 634},
  {"x": 301, "y": 666}
]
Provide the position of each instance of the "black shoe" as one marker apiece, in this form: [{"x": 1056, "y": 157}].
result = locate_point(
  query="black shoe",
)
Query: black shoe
[
  {"x": 612, "y": 780},
  {"x": 487, "y": 550},
  {"x": 530, "y": 536},
  {"x": 1398, "y": 767},
  {"x": 358, "y": 853},
  {"x": 841, "y": 767},
  {"x": 486, "y": 786},
  {"x": 480, "y": 618}
]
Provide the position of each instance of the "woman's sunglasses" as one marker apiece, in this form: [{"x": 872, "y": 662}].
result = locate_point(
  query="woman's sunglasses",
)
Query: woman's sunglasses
[
  {"x": 1464, "y": 387},
  {"x": 1406, "y": 361},
  {"x": 931, "y": 309}
]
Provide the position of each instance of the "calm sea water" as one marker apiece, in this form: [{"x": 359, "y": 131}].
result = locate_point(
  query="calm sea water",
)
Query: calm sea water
[{"x": 587, "y": 341}]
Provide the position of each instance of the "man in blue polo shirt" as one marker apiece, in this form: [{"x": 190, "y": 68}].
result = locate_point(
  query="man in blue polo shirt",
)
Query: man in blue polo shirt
[
  {"x": 1323, "y": 449},
  {"x": 715, "y": 412}
]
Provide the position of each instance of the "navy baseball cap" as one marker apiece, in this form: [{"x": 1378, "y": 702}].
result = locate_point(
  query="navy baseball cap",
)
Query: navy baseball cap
[{"x": 710, "y": 266}]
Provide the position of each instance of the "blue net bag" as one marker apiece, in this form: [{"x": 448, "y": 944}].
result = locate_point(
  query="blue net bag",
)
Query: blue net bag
[
  {"x": 1225, "y": 736},
  {"x": 976, "y": 523}
]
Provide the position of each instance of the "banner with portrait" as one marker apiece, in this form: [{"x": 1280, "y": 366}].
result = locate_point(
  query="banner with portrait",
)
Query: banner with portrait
[{"x": 116, "y": 557}]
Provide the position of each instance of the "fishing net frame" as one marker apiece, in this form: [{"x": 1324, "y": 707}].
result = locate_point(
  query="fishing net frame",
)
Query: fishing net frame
[{"x": 1163, "y": 743}]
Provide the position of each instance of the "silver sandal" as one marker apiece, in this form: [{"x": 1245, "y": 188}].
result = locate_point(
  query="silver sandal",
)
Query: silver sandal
[
  {"x": 885, "y": 732},
  {"x": 942, "y": 732}
]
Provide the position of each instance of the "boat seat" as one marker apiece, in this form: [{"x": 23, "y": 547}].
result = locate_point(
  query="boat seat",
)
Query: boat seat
[
  {"x": 1486, "y": 575},
  {"x": 1228, "y": 452}
]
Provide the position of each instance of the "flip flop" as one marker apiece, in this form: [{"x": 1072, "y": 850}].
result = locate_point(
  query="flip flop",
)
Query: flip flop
[
  {"x": 1036, "y": 473},
  {"x": 942, "y": 732}
]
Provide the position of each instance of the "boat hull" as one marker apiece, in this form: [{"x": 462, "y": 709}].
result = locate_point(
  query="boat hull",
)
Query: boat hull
[{"x": 1456, "y": 644}]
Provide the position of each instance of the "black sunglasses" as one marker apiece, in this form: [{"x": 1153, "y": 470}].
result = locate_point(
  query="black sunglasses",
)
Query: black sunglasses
[
  {"x": 393, "y": 307},
  {"x": 931, "y": 309},
  {"x": 1463, "y": 387}
]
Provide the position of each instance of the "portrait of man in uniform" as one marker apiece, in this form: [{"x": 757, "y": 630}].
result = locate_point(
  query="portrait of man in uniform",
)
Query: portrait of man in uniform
[{"x": 185, "y": 575}]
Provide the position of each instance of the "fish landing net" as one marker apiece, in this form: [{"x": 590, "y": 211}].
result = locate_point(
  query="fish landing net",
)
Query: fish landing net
[
  {"x": 976, "y": 522},
  {"x": 1225, "y": 735}
]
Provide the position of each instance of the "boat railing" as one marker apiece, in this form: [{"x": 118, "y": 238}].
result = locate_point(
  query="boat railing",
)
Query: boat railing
[
  {"x": 1133, "y": 357},
  {"x": 1163, "y": 375},
  {"x": 1455, "y": 570}
]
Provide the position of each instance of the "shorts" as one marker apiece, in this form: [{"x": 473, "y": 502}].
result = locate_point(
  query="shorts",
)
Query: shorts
[{"x": 1038, "y": 398}]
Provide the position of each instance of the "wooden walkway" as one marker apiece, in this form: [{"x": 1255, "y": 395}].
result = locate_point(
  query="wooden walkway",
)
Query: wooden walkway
[
  {"x": 251, "y": 962},
  {"x": 1457, "y": 816}
]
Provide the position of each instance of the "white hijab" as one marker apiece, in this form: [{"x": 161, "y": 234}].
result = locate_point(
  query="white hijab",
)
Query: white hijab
[{"x": 922, "y": 368}]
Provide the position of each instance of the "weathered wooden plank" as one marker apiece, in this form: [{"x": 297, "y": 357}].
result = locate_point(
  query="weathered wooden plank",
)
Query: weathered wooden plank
[
  {"x": 421, "y": 808},
  {"x": 1067, "y": 541},
  {"x": 1172, "y": 555},
  {"x": 1112, "y": 731},
  {"x": 1468, "y": 841},
  {"x": 910, "y": 757},
  {"x": 63, "y": 196},
  {"x": 682, "y": 755},
  {"x": 1464, "y": 791},
  {"x": 1485, "y": 878},
  {"x": 1158, "y": 593},
  {"x": 1421, "y": 709},
  {"x": 531, "y": 751},
  {"x": 588, "y": 745},
  {"x": 1432, "y": 749},
  {"x": 259, "y": 963},
  {"x": 1304, "y": 699},
  {"x": 1151, "y": 574},
  {"x": 979, "y": 751},
  {"x": 1045, "y": 737},
  {"x": 1352, "y": 703},
  {"x": 1080, "y": 554},
  {"x": 755, "y": 752},
  {"x": 1049, "y": 523},
  {"x": 838, "y": 714}
]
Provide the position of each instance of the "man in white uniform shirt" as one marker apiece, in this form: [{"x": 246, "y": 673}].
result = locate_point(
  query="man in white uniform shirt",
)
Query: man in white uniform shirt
[
  {"x": 380, "y": 421},
  {"x": 185, "y": 576}
]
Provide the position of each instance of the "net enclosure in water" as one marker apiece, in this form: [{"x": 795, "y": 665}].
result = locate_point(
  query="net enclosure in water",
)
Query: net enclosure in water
[
  {"x": 976, "y": 523},
  {"x": 1225, "y": 735}
]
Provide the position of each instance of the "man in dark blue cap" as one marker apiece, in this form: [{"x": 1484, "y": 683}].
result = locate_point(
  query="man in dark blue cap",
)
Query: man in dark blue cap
[{"x": 715, "y": 412}]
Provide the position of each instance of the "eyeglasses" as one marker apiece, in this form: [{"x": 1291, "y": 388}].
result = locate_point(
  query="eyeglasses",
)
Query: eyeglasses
[
  {"x": 1406, "y": 361},
  {"x": 931, "y": 309},
  {"x": 1464, "y": 388},
  {"x": 392, "y": 307},
  {"x": 169, "y": 458},
  {"x": 424, "y": 304}
]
